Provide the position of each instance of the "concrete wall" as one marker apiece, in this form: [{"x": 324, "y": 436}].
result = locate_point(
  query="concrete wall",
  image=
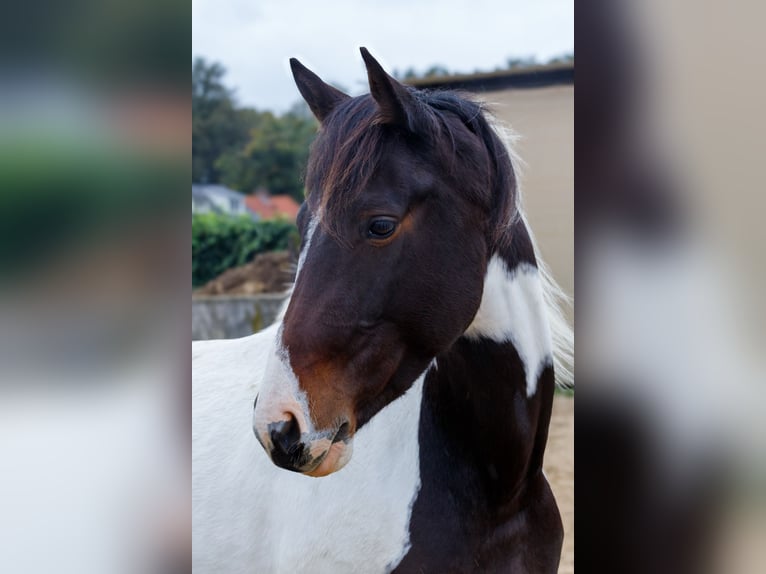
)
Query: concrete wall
[{"x": 229, "y": 317}]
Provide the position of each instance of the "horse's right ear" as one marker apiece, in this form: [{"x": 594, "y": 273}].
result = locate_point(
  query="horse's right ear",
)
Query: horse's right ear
[
  {"x": 321, "y": 97},
  {"x": 397, "y": 105}
]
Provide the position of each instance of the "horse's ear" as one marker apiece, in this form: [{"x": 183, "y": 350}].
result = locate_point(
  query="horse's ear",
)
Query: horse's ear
[
  {"x": 396, "y": 103},
  {"x": 321, "y": 97}
]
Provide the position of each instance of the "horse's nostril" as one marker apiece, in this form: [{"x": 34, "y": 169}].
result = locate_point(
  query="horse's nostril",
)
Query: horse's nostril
[
  {"x": 342, "y": 433},
  {"x": 285, "y": 434},
  {"x": 287, "y": 449}
]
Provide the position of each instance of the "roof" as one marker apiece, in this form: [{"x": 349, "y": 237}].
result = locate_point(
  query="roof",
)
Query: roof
[
  {"x": 530, "y": 77},
  {"x": 268, "y": 206}
]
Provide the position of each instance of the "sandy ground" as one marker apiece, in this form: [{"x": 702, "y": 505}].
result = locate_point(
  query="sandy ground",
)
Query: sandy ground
[{"x": 559, "y": 468}]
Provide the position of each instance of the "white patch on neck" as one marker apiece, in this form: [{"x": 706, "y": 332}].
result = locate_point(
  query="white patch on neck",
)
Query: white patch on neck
[{"x": 513, "y": 310}]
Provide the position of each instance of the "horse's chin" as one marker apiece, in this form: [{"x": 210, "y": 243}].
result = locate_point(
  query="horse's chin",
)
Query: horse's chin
[{"x": 336, "y": 458}]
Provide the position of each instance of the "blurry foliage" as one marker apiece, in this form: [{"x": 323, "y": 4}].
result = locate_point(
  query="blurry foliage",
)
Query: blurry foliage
[
  {"x": 140, "y": 40},
  {"x": 518, "y": 63},
  {"x": 60, "y": 194},
  {"x": 274, "y": 158},
  {"x": 241, "y": 147},
  {"x": 113, "y": 44},
  {"x": 563, "y": 59},
  {"x": 436, "y": 71},
  {"x": 220, "y": 242},
  {"x": 217, "y": 125}
]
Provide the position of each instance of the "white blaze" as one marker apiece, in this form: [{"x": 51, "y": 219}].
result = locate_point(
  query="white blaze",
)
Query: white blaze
[{"x": 280, "y": 392}]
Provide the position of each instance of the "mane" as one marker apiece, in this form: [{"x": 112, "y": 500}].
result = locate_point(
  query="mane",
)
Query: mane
[
  {"x": 562, "y": 336},
  {"x": 354, "y": 138},
  {"x": 556, "y": 300}
]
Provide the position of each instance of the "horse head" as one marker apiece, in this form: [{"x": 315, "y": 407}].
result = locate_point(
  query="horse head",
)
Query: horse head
[{"x": 408, "y": 194}]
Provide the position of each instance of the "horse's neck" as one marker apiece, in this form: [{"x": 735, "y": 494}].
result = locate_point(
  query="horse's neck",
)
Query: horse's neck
[{"x": 491, "y": 393}]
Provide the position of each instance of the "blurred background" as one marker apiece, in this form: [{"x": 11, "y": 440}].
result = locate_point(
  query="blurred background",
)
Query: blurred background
[
  {"x": 94, "y": 402},
  {"x": 670, "y": 281},
  {"x": 95, "y": 125}
]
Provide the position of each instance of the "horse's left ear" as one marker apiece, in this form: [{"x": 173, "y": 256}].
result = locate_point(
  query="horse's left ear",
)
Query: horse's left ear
[{"x": 397, "y": 105}]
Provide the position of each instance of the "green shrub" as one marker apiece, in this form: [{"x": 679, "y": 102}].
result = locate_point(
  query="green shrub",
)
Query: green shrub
[{"x": 220, "y": 242}]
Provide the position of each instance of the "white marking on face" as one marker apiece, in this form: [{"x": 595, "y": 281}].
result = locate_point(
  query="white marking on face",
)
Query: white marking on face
[
  {"x": 282, "y": 396},
  {"x": 313, "y": 222},
  {"x": 513, "y": 310},
  {"x": 307, "y": 245}
]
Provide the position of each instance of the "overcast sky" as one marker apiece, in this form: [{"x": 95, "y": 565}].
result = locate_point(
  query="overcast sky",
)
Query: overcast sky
[{"x": 254, "y": 39}]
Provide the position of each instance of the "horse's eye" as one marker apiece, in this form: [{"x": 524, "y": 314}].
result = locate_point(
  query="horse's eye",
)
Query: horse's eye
[{"x": 381, "y": 228}]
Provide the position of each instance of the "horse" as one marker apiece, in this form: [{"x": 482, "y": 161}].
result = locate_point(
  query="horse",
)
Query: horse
[{"x": 402, "y": 398}]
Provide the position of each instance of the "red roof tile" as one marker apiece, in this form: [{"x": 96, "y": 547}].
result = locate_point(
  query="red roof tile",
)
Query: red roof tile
[{"x": 270, "y": 206}]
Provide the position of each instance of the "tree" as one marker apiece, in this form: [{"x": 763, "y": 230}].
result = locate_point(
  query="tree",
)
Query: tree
[
  {"x": 526, "y": 62},
  {"x": 241, "y": 147},
  {"x": 562, "y": 59},
  {"x": 274, "y": 158},
  {"x": 217, "y": 125},
  {"x": 436, "y": 71}
]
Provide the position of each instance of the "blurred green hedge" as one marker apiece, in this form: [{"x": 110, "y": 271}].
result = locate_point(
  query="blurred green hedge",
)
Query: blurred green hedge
[{"x": 220, "y": 242}]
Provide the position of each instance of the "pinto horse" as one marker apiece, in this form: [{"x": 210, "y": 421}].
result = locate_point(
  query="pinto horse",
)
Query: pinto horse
[{"x": 421, "y": 335}]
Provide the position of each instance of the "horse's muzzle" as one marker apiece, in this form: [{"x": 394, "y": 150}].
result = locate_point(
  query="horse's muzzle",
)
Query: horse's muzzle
[{"x": 291, "y": 446}]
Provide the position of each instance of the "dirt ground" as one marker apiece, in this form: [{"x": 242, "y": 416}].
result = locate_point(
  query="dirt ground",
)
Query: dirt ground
[
  {"x": 559, "y": 468},
  {"x": 269, "y": 272}
]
